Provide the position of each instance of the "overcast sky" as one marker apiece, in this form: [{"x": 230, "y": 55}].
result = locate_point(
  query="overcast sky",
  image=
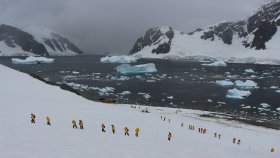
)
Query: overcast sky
[{"x": 98, "y": 26}]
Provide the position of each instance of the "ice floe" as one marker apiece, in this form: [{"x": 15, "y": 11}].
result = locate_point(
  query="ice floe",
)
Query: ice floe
[
  {"x": 237, "y": 94},
  {"x": 249, "y": 71},
  {"x": 246, "y": 84},
  {"x": 137, "y": 69},
  {"x": 119, "y": 59},
  {"x": 216, "y": 63},
  {"x": 224, "y": 83},
  {"x": 33, "y": 60}
]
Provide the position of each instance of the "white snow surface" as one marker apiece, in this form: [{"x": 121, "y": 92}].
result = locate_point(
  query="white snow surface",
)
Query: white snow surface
[
  {"x": 22, "y": 95},
  {"x": 216, "y": 63},
  {"x": 237, "y": 94},
  {"x": 33, "y": 60},
  {"x": 119, "y": 59},
  {"x": 136, "y": 69},
  {"x": 184, "y": 46}
]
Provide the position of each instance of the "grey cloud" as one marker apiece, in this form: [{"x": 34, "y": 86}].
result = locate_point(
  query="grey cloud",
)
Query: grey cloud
[{"x": 99, "y": 26}]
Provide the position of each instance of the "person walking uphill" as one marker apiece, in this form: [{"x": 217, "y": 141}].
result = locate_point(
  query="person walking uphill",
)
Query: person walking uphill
[
  {"x": 169, "y": 136},
  {"x": 48, "y": 120},
  {"x": 81, "y": 123},
  {"x": 126, "y": 131},
  {"x": 103, "y": 127},
  {"x": 137, "y": 132},
  {"x": 113, "y": 129},
  {"x": 33, "y": 118},
  {"x": 74, "y": 124}
]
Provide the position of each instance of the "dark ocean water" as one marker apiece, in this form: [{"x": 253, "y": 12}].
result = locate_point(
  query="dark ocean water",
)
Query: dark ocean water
[{"x": 180, "y": 84}]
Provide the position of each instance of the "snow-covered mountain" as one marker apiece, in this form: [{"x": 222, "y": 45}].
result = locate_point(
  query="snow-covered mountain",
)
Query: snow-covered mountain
[
  {"x": 256, "y": 36},
  {"x": 34, "y": 41}
]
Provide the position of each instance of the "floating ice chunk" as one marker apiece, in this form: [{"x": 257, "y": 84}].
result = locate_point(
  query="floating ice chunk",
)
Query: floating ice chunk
[
  {"x": 224, "y": 83},
  {"x": 145, "y": 95},
  {"x": 274, "y": 87},
  {"x": 210, "y": 100},
  {"x": 75, "y": 72},
  {"x": 237, "y": 94},
  {"x": 137, "y": 69},
  {"x": 216, "y": 63},
  {"x": 119, "y": 59},
  {"x": 246, "y": 84},
  {"x": 277, "y": 91},
  {"x": 125, "y": 93},
  {"x": 278, "y": 109},
  {"x": 170, "y": 97},
  {"x": 33, "y": 60},
  {"x": 249, "y": 71},
  {"x": 264, "y": 105},
  {"x": 107, "y": 90}
]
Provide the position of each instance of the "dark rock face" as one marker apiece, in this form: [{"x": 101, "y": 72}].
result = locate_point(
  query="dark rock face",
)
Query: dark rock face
[
  {"x": 152, "y": 37},
  {"x": 263, "y": 34},
  {"x": 13, "y": 37},
  {"x": 262, "y": 26},
  {"x": 64, "y": 41}
]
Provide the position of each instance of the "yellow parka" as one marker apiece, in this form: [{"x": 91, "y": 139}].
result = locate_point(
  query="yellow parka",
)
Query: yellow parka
[
  {"x": 137, "y": 130},
  {"x": 74, "y": 122}
]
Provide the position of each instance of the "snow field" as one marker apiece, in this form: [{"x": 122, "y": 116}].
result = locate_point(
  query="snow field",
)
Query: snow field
[{"x": 25, "y": 95}]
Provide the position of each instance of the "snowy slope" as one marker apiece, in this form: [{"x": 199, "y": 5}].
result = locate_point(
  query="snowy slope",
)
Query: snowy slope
[
  {"x": 254, "y": 39},
  {"x": 22, "y": 95}
]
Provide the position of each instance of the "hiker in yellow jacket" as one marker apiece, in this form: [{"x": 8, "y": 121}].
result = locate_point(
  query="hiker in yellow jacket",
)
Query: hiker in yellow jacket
[
  {"x": 103, "y": 127},
  {"x": 126, "y": 131},
  {"x": 137, "y": 132},
  {"x": 48, "y": 120},
  {"x": 81, "y": 124},
  {"x": 74, "y": 123},
  {"x": 169, "y": 136},
  {"x": 113, "y": 129},
  {"x": 33, "y": 118}
]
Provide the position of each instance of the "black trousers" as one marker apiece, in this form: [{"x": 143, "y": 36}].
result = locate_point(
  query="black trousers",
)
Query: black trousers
[{"x": 74, "y": 126}]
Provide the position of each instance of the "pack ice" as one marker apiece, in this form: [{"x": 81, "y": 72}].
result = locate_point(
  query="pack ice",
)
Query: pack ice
[
  {"x": 137, "y": 69},
  {"x": 33, "y": 60}
]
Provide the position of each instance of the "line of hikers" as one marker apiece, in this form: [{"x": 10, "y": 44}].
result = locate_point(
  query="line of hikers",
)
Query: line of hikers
[
  {"x": 81, "y": 124},
  {"x": 219, "y": 135},
  {"x": 164, "y": 118},
  {"x": 234, "y": 140}
]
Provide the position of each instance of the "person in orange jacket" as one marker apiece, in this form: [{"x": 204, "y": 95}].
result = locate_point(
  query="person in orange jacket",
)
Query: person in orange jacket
[
  {"x": 74, "y": 124},
  {"x": 126, "y": 131},
  {"x": 48, "y": 120},
  {"x": 113, "y": 129},
  {"x": 33, "y": 118},
  {"x": 103, "y": 127},
  {"x": 81, "y": 123},
  {"x": 169, "y": 136},
  {"x": 137, "y": 132}
]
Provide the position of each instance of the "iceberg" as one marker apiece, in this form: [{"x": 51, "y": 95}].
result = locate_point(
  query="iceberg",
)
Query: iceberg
[
  {"x": 246, "y": 84},
  {"x": 216, "y": 63},
  {"x": 237, "y": 94},
  {"x": 127, "y": 69},
  {"x": 224, "y": 83},
  {"x": 277, "y": 91},
  {"x": 33, "y": 60},
  {"x": 119, "y": 59}
]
